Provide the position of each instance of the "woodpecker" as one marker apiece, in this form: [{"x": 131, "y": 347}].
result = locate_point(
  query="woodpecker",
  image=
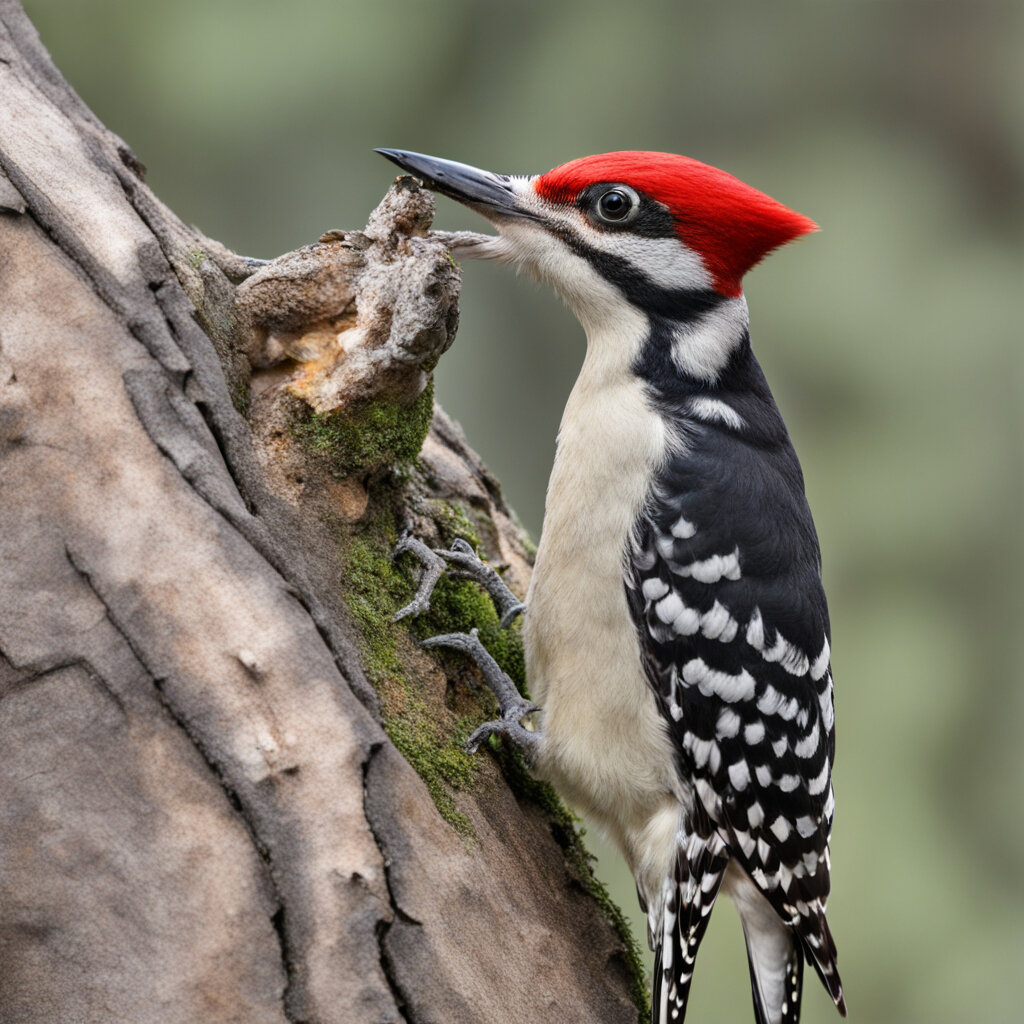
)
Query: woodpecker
[{"x": 676, "y": 635}]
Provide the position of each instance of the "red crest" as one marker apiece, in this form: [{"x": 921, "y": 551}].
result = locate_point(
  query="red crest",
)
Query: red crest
[{"x": 729, "y": 224}]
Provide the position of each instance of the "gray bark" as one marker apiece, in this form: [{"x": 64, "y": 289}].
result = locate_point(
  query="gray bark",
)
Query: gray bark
[{"x": 202, "y": 816}]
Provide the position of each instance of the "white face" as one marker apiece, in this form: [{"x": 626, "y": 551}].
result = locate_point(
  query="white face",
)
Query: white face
[
  {"x": 541, "y": 249},
  {"x": 551, "y": 250}
]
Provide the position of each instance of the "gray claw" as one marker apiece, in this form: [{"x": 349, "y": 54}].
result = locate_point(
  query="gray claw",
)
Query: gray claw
[
  {"x": 527, "y": 741},
  {"x": 467, "y": 566},
  {"x": 433, "y": 569},
  {"x": 511, "y": 702}
]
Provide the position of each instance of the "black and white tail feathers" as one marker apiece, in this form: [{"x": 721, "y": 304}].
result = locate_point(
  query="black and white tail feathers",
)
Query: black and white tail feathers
[
  {"x": 775, "y": 948},
  {"x": 774, "y": 954},
  {"x": 688, "y": 898},
  {"x": 820, "y": 948}
]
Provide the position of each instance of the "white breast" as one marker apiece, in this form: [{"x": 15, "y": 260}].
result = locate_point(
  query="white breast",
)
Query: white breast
[{"x": 605, "y": 745}]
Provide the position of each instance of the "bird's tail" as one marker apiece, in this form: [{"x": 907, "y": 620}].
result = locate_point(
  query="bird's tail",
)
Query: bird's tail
[
  {"x": 775, "y": 954},
  {"x": 820, "y": 948},
  {"x": 689, "y": 895}
]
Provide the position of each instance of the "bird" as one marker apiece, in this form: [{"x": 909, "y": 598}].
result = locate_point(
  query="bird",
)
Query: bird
[{"x": 676, "y": 631}]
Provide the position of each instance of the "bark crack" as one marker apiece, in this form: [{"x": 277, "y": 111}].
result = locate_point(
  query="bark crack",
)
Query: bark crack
[
  {"x": 157, "y": 409},
  {"x": 32, "y": 674},
  {"x": 278, "y": 918},
  {"x": 383, "y": 925},
  {"x": 228, "y": 438},
  {"x": 107, "y": 288}
]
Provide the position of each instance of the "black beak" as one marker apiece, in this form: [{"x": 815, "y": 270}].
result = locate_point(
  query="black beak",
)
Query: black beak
[{"x": 487, "y": 193}]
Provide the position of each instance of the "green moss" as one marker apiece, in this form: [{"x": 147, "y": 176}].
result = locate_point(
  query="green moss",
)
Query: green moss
[
  {"x": 429, "y": 738},
  {"x": 453, "y": 524},
  {"x": 457, "y": 606},
  {"x": 425, "y": 736},
  {"x": 196, "y": 257},
  {"x": 443, "y": 765},
  {"x": 367, "y": 438}
]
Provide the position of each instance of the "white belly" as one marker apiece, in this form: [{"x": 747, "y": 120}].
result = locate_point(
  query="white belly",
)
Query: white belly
[{"x": 605, "y": 745}]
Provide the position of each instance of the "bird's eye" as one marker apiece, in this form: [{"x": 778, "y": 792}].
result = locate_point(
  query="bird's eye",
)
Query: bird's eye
[{"x": 617, "y": 205}]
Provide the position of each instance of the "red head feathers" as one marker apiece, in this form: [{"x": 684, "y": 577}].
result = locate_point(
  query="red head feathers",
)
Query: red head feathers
[{"x": 729, "y": 224}]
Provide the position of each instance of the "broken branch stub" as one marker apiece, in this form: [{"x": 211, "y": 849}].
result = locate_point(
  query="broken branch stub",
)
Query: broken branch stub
[{"x": 359, "y": 317}]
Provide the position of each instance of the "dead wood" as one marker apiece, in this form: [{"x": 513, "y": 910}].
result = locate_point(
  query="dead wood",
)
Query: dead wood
[{"x": 231, "y": 789}]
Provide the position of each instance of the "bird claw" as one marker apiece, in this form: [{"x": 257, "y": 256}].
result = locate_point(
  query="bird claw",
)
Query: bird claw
[
  {"x": 467, "y": 566},
  {"x": 433, "y": 569},
  {"x": 462, "y": 562},
  {"x": 525, "y": 739},
  {"x": 512, "y": 705}
]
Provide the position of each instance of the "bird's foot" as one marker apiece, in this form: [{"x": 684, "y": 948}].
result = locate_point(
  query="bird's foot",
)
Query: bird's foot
[
  {"x": 512, "y": 705},
  {"x": 465, "y": 565},
  {"x": 525, "y": 739}
]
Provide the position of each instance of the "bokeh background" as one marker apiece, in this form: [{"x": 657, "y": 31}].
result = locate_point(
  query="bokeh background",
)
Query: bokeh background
[{"x": 892, "y": 340}]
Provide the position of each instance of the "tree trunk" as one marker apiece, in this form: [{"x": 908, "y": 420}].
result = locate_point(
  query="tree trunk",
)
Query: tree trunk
[{"x": 233, "y": 789}]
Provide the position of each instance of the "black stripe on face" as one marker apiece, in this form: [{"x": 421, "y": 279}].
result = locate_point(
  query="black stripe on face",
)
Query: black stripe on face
[{"x": 683, "y": 305}]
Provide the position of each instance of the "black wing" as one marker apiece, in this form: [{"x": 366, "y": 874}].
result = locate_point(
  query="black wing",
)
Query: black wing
[{"x": 725, "y": 589}]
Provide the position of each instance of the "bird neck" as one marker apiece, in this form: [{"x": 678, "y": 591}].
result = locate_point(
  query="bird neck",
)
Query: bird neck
[{"x": 696, "y": 346}]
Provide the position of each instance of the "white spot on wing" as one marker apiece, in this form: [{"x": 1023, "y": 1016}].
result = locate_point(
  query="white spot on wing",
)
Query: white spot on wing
[
  {"x": 654, "y": 589},
  {"x": 683, "y": 529},
  {"x": 819, "y": 782},
  {"x": 710, "y": 681},
  {"x": 739, "y": 775},
  {"x": 807, "y": 746},
  {"x": 820, "y": 665},
  {"x": 781, "y": 828},
  {"x": 714, "y": 410},
  {"x": 665, "y": 545},
  {"x": 755, "y": 631},
  {"x": 702, "y": 751},
  {"x": 825, "y": 703},
  {"x": 718, "y": 624},
  {"x": 668, "y": 607},
  {"x": 708, "y": 797},
  {"x": 713, "y": 569},
  {"x": 746, "y": 842},
  {"x": 806, "y": 826},
  {"x": 728, "y": 724},
  {"x": 754, "y": 732},
  {"x": 771, "y": 702},
  {"x": 791, "y": 658},
  {"x": 687, "y": 622}
]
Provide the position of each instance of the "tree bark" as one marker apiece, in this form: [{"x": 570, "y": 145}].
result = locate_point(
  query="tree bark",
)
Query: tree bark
[{"x": 232, "y": 789}]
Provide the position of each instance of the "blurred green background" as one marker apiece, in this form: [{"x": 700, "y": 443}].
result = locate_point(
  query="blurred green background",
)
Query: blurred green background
[{"x": 892, "y": 340}]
